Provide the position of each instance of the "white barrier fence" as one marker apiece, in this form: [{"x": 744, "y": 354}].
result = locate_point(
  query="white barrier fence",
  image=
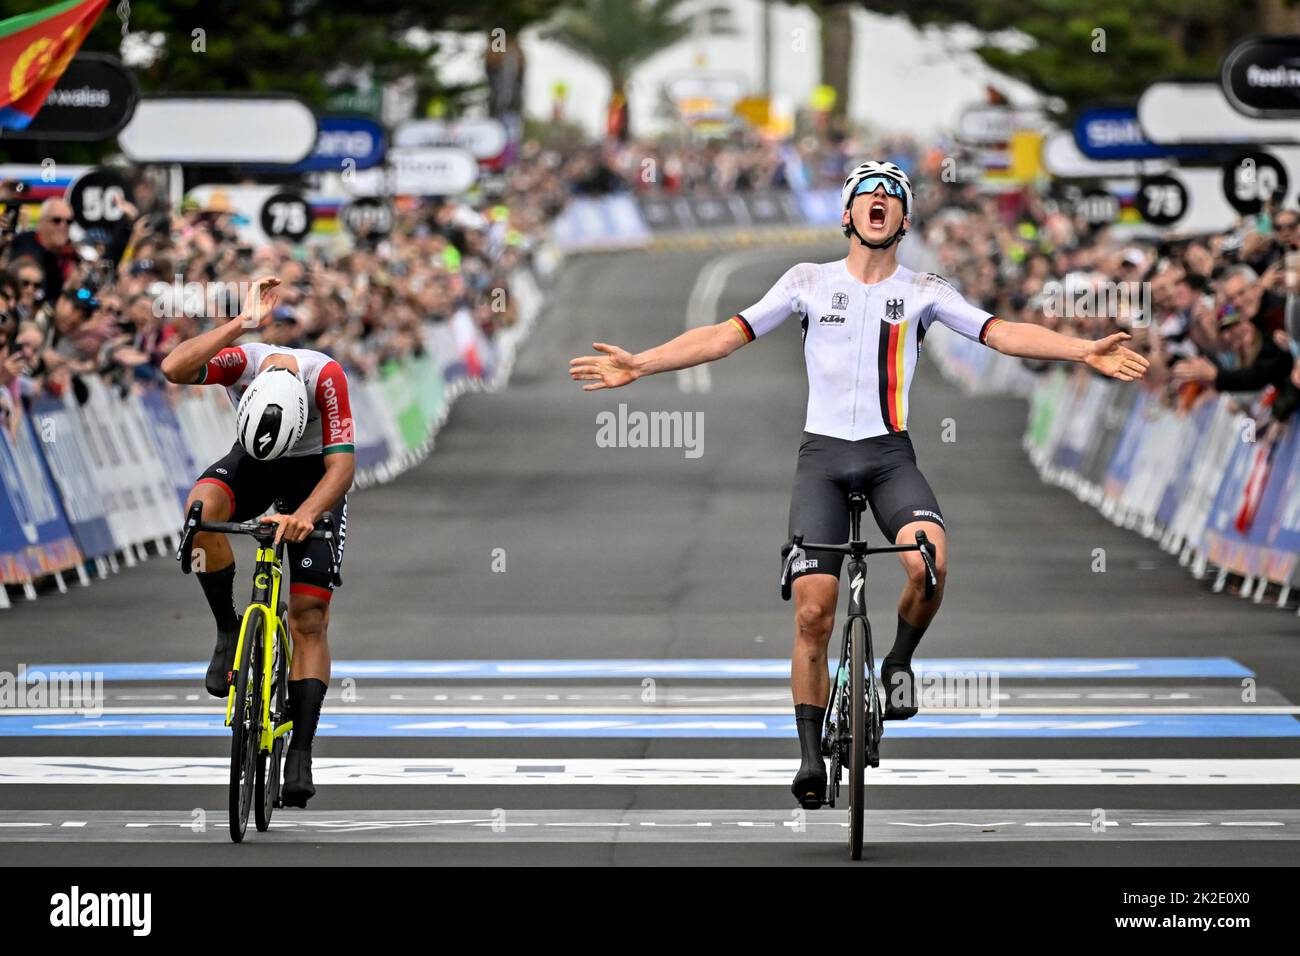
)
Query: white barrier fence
[{"x": 1199, "y": 480}]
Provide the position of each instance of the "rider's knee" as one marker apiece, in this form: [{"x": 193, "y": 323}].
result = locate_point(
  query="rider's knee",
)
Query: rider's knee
[
  {"x": 814, "y": 617},
  {"x": 916, "y": 573},
  {"x": 309, "y": 621},
  {"x": 217, "y": 505}
]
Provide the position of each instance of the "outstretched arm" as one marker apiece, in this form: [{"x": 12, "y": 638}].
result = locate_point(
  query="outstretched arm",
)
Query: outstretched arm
[
  {"x": 615, "y": 367},
  {"x": 1107, "y": 356}
]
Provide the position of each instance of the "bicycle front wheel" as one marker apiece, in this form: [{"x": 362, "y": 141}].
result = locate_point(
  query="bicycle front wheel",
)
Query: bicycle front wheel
[
  {"x": 245, "y": 725},
  {"x": 268, "y": 765},
  {"x": 859, "y": 730}
]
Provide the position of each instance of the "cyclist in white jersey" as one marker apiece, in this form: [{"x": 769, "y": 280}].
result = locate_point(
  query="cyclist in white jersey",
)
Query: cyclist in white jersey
[{"x": 864, "y": 318}]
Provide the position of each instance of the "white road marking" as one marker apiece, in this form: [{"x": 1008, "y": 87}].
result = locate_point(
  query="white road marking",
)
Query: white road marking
[
  {"x": 669, "y": 826},
  {"x": 702, "y": 307},
  {"x": 586, "y": 772}
]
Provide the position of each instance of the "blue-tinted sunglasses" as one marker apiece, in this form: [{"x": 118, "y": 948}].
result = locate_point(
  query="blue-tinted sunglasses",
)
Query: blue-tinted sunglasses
[{"x": 892, "y": 187}]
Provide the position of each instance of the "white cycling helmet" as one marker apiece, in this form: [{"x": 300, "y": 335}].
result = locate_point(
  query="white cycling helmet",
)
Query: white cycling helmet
[
  {"x": 272, "y": 414},
  {"x": 888, "y": 172}
]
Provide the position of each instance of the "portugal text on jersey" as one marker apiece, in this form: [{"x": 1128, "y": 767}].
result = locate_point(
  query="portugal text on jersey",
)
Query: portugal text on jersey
[
  {"x": 329, "y": 426},
  {"x": 861, "y": 340}
]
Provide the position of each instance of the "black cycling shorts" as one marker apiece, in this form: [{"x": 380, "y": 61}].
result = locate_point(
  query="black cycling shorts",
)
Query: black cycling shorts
[
  {"x": 883, "y": 468},
  {"x": 254, "y": 486}
]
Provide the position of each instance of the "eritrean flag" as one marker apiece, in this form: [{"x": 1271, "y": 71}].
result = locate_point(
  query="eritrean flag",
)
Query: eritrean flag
[{"x": 35, "y": 49}]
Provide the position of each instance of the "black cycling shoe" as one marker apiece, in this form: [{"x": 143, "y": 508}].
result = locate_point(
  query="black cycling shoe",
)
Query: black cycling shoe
[
  {"x": 223, "y": 662},
  {"x": 298, "y": 787},
  {"x": 809, "y": 786},
  {"x": 900, "y": 697}
]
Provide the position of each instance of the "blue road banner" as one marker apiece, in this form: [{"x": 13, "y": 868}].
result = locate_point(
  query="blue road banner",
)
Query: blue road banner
[
  {"x": 340, "y": 139},
  {"x": 50, "y": 546},
  {"x": 737, "y": 668},
  {"x": 73, "y": 475},
  {"x": 166, "y": 430},
  {"x": 646, "y": 726},
  {"x": 1113, "y": 132}
]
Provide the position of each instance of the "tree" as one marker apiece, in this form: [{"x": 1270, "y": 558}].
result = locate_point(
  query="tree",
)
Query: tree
[
  {"x": 1087, "y": 51},
  {"x": 617, "y": 36}
]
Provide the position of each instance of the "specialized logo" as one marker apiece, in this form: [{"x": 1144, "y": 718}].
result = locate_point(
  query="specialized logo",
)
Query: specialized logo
[
  {"x": 893, "y": 310},
  {"x": 832, "y": 320},
  {"x": 839, "y": 300},
  {"x": 857, "y": 587}
]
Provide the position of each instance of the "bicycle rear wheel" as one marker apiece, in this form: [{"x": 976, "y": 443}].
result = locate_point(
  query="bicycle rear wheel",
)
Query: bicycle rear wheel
[
  {"x": 245, "y": 726},
  {"x": 859, "y": 731},
  {"x": 269, "y": 765}
]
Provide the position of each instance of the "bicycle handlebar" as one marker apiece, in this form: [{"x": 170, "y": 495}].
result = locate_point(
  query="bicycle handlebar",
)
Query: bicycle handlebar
[
  {"x": 263, "y": 531},
  {"x": 796, "y": 550}
]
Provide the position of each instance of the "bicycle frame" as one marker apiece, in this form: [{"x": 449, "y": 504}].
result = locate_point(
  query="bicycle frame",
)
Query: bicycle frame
[{"x": 267, "y": 577}]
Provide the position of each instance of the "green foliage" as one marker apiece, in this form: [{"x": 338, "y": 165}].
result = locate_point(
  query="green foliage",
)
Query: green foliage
[
  {"x": 1145, "y": 40},
  {"x": 617, "y": 35}
]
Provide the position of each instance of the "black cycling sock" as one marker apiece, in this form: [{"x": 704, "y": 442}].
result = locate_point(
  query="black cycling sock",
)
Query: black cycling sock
[
  {"x": 219, "y": 589},
  {"x": 909, "y": 635},
  {"x": 808, "y": 718},
  {"x": 305, "y": 700}
]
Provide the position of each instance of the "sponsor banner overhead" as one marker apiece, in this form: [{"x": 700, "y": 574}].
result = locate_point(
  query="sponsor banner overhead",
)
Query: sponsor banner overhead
[
  {"x": 219, "y": 130},
  {"x": 343, "y": 144},
  {"x": 483, "y": 138},
  {"x": 1063, "y": 159},
  {"x": 1196, "y": 112},
  {"x": 1261, "y": 77},
  {"x": 1113, "y": 132}
]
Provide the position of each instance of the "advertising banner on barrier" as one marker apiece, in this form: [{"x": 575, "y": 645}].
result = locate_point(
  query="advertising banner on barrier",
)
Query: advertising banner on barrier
[
  {"x": 1280, "y": 525},
  {"x": 606, "y": 222},
  {"x": 1192, "y": 437},
  {"x": 48, "y": 545},
  {"x": 372, "y": 448},
  {"x": 178, "y": 465},
  {"x": 70, "y": 466},
  {"x": 403, "y": 402}
]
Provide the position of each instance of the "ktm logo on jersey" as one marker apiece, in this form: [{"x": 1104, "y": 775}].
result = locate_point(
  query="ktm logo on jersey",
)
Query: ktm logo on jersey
[
  {"x": 832, "y": 320},
  {"x": 893, "y": 310}
]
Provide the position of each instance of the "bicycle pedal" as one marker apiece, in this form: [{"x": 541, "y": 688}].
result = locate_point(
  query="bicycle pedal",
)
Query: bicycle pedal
[{"x": 810, "y": 801}]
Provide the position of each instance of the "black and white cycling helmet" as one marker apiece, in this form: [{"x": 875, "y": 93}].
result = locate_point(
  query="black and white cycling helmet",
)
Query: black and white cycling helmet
[
  {"x": 272, "y": 414},
  {"x": 869, "y": 176}
]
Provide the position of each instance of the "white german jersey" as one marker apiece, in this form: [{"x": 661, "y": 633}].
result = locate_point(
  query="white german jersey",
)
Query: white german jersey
[{"x": 861, "y": 340}]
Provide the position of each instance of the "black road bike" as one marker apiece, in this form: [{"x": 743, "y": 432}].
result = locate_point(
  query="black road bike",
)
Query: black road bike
[{"x": 854, "y": 713}]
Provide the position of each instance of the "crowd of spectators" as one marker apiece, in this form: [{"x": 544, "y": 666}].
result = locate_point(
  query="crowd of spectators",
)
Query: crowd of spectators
[
  {"x": 1213, "y": 313},
  {"x": 113, "y": 303},
  {"x": 1216, "y": 313}
]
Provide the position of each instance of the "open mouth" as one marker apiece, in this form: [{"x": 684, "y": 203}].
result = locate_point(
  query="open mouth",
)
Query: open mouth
[{"x": 876, "y": 214}]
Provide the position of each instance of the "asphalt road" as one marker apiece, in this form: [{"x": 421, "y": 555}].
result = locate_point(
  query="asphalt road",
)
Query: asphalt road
[{"x": 620, "y": 696}]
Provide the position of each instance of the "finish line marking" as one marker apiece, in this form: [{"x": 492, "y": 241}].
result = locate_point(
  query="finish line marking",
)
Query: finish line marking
[{"x": 687, "y": 771}]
